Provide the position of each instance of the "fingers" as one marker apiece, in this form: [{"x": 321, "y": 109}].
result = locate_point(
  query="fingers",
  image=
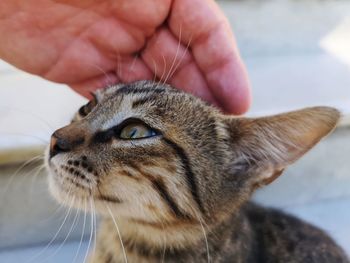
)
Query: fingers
[
  {"x": 212, "y": 69},
  {"x": 214, "y": 50},
  {"x": 85, "y": 88},
  {"x": 172, "y": 63},
  {"x": 127, "y": 69},
  {"x": 147, "y": 14},
  {"x": 225, "y": 72},
  {"x": 130, "y": 69}
]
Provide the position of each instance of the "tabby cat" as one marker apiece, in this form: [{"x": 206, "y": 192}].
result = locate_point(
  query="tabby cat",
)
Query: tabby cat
[{"x": 173, "y": 177}]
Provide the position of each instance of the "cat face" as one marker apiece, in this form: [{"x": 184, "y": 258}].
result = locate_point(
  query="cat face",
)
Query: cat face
[{"x": 153, "y": 154}]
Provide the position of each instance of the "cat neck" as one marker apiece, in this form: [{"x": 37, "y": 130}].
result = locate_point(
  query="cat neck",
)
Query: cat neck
[
  {"x": 154, "y": 236},
  {"x": 187, "y": 239}
]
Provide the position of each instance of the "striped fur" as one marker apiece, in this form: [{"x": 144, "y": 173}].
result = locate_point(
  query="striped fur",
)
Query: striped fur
[{"x": 182, "y": 195}]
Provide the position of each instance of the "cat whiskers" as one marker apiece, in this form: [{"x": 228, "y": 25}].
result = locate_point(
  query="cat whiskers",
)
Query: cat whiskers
[
  {"x": 164, "y": 245},
  {"x": 91, "y": 229},
  {"x": 155, "y": 70},
  {"x": 118, "y": 231},
  {"x": 174, "y": 67},
  {"x": 174, "y": 60},
  {"x": 56, "y": 234},
  {"x": 155, "y": 77},
  {"x": 202, "y": 223},
  {"x": 109, "y": 81},
  {"x": 28, "y": 162},
  {"x": 74, "y": 223},
  {"x": 95, "y": 228},
  {"x": 162, "y": 79},
  {"x": 22, "y": 111},
  {"x": 45, "y": 141},
  {"x": 48, "y": 126},
  {"x": 156, "y": 73},
  {"x": 182, "y": 57},
  {"x": 164, "y": 72},
  {"x": 132, "y": 65},
  {"x": 118, "y": 65},
  {"x": 39, "y": 169},
  {"x": 82, "y": 232},
  {"x": 205, "y": 237}
]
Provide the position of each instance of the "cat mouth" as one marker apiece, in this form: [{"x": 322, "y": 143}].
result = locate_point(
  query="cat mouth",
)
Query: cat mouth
[
  {"x": 75, "y": 171},
  {"x": 68, "y": 178},
  {"x": 69, "y": 184}
]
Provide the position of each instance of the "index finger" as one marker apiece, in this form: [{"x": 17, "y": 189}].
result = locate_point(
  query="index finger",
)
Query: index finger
[{"x": 202, "y": 24}]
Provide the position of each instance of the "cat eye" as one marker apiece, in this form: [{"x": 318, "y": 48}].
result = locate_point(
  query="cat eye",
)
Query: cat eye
[
  {"x": 136, "y": 130},
  {"x": 130, "y": 129}
]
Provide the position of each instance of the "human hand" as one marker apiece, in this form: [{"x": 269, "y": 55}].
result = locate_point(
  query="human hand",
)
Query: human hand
[{"x": 91, "y": 44}]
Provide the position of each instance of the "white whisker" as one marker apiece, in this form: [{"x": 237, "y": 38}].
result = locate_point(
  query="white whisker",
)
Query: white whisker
[
  {"x": 163, "y": 73},
  {"x": 24, "y": 135},
  {"x": 120, "y": 237},
  {"x": 155, "y": 70},
  {"x": 118, "y": 65},
  {"x": 74, "y": 223},
  {"x": 94, "y": 227},
  {"x": 132, "y": 65},
  {"x": 182, "y": 57},
  {"x": 91, "y": 232},
  {"x": 54, "y": 213},
  {"x": 164, "y": 247},
  {"x": 202, "y": 223},
  {"x": 82, "y": 234},
  {"x": 109, "y": 82},
  {"x": 205, "y": 237},
  {"x": 174, "y": 60},
  {"x": 47, "y": 124},
  {"x": 55, "y": 236},
  {"x": 35, "y": 158},
  {"x": 34, "y": 177}
]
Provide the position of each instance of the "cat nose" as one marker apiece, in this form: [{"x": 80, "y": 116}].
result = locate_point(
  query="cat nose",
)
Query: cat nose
[{"x": 64, "y": 141}]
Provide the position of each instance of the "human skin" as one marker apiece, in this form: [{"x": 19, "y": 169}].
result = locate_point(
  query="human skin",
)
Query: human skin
[{"x": 90, "y": 44}]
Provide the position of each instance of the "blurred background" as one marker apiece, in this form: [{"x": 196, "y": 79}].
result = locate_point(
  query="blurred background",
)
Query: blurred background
[{"x": 297, "y": 53}]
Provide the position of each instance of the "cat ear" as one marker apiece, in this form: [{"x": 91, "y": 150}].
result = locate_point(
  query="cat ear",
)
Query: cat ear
[{"x": 264, "y": 147}]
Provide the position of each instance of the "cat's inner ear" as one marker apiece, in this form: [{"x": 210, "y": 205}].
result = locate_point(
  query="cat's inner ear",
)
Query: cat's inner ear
[{"x": 264, "y": 147}]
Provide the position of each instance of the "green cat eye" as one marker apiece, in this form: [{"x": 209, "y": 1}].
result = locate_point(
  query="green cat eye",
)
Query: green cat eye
[{"x": 136, "y": 131}]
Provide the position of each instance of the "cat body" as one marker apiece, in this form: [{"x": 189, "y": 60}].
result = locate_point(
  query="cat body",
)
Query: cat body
[
  {"x": 255, "y": 235},
  {"x": 172, "y": 177}
]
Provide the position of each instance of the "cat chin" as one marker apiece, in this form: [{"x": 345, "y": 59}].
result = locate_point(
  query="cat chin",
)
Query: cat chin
[
  {"x": 71, "y": 196},
  {"x": 55, "y": 191},
  {"x": 82, "y": 202},
  {"x": 62, "y": 197}
]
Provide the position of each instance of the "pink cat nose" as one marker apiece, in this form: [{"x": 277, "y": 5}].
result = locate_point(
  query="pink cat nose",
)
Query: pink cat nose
[
  {"x": 58, "y": 145},
  {"x": 63, "y": 140}
]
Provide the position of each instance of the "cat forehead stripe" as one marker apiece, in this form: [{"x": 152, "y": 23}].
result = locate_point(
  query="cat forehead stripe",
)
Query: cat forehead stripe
[
  {"x": 143, "y": 100},
  {"x": 126, "y": 90}
]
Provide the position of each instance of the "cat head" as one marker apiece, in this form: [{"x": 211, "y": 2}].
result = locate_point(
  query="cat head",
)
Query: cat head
[{"x": 151, "y": 154}]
